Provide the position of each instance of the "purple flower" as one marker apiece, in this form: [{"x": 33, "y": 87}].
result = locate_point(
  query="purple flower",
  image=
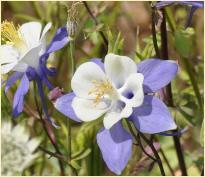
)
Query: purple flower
[
  {"x": 25, "y": 53},
  {"x": 194, "y": 6},
  {"x": 115, "y": 90}
]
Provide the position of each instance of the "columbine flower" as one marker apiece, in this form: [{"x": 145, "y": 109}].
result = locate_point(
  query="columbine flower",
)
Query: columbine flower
[
  {"x": 17, "y": 150},
  {"x": 194, "y": 6},
  {"x": 26, "y": 53},
  {"x": 119, "y": 89}
]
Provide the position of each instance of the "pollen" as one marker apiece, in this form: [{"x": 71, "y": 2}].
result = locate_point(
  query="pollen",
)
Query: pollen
[
  {"x": 100, "y": 89},
  {"x": 10, "y": 33}
]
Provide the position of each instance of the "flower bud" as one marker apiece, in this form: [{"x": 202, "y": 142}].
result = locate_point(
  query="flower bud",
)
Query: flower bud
[{"x": 55, "y": 93}]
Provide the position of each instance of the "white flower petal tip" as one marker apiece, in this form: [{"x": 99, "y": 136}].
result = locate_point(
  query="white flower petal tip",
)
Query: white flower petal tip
[
  {"x": 119, "y": 68},
  {"x": 45, "y": 30},
  {"x": 110, "y": 119},
  {"x": 85, "y": 75}
]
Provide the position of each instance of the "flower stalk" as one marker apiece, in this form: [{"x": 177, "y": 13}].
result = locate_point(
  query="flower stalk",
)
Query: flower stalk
[
  {"x": 150, "y": 144},
  {"x": 47, "y": 132},
  {"x": 71, "y": 27},
  {"x": 169, "y": 98}
]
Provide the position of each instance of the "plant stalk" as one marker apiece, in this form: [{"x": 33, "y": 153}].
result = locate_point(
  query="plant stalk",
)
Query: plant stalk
[
  {"x": 96, "y": 22},
  {"x": 47, "y": 132},
  {"x": 154, "y": 34},
  {"x": 68, "y": 121},
  {"x": 169, "y": 98},
  {"x": 157, "y": 157}
]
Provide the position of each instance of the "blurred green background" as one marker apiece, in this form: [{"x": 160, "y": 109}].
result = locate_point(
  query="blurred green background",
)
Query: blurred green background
[{"x": 132, "y": 21}]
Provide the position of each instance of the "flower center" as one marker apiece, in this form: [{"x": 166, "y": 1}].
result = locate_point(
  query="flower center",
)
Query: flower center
[
  {"x": 11, "y": 35},
  {"x": 100, "y": 89}
]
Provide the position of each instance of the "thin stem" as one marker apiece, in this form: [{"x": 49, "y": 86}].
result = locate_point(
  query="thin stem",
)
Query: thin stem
[
  {"x": 72, "y": 47},
  {"x": 153, "y": 138},
  {"x": 154, "y": 34},
  {"x": 155, "y": 153},
  {"x": 169, "y": 98},
  {"x": 96, "y": 22},
  {"x": 170, "y": 19},
  {"x": 190, "y": 72},
  {"x": 68, "y": 121},
  {"x": 47, "y": 132},
  {"x": 141, "y": 146},
  {"x": 157, "y": 157},
  {"x": 137, "y": 137},
  {"x": 53, "y": 154},
  {"x": 167, "y": 162},
  {"x": 59, "y": 156}
]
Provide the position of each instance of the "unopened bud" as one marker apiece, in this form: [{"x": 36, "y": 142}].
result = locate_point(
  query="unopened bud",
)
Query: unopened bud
[{"x": 55, "y": 93}]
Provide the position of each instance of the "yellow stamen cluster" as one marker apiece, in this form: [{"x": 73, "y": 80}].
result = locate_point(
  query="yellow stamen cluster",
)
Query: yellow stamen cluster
[
  {"x": 100, "y": 89},
  {"x": 10, "y": 33}
]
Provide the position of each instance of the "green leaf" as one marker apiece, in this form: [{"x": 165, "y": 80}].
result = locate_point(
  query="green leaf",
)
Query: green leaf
[
  {"x": 118, "y": 43},
  {"x": 115, "y": 43},
  {"x": 39, "y": 10},
  {"x": 139, "y": 56},
  {"x": 26, "y": 17},
  {"x": 191, "y": 74},
  {"x": 184, "y": 41},
  {"x": 75, "y": 165},
  {"x": 89, "y": 24},
  {"x": 184, "y": 112},
  {"x": 81, "y": 155}
]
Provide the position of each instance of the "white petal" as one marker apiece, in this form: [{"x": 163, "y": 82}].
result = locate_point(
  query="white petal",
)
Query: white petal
[
  {"x": 8, "y": 54},
  {"x": 118, "y": 111},
  {"x": 45, "y": 30},
  {"x": 133, "y": 86},
  {"x": 7, "y": 67},
  {"x": 85, "y": 110},
  {"x": 31, "y": 33},
  {"x": 110, "y": 119},
  {"x": 44, "y": 37},
  {"x": 21, "y": 67},
  {"x": 119, "y": 68},
  {"x": 32, "y": 57},
  {"x": 81, "y": 82}
]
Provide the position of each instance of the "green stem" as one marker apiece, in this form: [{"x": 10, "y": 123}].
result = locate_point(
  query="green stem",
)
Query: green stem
[
  {"x": 191, "y": 74},
  {"x": 72, "y": 47},
  {"x": 167, "y": 161},
  {"x": 170, "y": 19}
]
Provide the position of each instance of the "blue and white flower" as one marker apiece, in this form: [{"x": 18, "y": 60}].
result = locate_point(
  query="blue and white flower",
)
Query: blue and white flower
[
  {"x": 115, "y": 90},
  {"x": 25, "y": 52}
]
